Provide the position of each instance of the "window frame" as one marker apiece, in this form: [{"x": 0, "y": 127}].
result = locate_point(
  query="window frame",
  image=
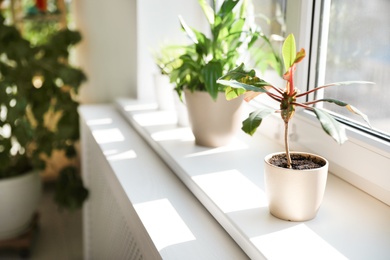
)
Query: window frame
[{"x": 320, "y": 34}]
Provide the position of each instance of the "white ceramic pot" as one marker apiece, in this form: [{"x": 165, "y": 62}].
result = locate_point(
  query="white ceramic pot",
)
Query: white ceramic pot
[
  {"x": 164, "y": 92},
  {"x": 181, "y": 111},
  {"x": 19, "y": 198},
  {"x": 213, "y": 123},
  {"x": 295, "y": 195}
]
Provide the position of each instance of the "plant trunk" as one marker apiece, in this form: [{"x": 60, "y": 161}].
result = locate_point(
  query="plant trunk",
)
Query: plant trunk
[{"x": 286, "y": 145}]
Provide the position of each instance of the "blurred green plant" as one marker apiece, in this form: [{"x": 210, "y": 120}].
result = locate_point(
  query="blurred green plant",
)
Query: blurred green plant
[
  {"x": 207, "y": 58},
  {"x": 38, "y": 105},
  {"x": 167, "y": 59}
]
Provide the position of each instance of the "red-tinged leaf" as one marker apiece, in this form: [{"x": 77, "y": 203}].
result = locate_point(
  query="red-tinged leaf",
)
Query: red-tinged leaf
[
  {"x": 300, "y": 55},
  {"x": 331, "y": 126},
  {"x": 358, "y": 112},
  {"x": 289, "y": 73},
  {"x": 251, "y": 95},
  {"x": 255, "y": 118}
]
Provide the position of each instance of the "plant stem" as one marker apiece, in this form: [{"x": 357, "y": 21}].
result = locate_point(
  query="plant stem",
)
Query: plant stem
[{"x": 286, "y": 144}]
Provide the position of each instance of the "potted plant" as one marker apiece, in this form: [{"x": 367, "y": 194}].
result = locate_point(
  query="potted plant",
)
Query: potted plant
[
  {"x": 205, "y": 60},
  {"x": 167, "y": 59},
  {"x": 38, "y": 115},
  {"x": 295, "y": 182}
]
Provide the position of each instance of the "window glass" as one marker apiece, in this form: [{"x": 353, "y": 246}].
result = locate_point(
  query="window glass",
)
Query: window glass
[
  {"x": 356, "y": 38},
  {"x": 270, "y": 15}
]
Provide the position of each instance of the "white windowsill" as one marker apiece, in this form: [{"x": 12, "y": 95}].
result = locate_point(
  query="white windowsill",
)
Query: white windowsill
[
  {"x": 228, "y": 181},
  {"x": 158, "y": 217}
]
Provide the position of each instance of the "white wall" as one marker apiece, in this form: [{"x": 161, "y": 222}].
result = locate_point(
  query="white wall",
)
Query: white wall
[
  {"x": 118, "y": 36},
  {"x": 158, "y": 24},
  {"x": 108, "y": 51}
]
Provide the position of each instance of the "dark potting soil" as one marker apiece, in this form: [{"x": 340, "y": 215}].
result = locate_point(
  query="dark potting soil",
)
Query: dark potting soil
[{"x": 298, "y": 161}]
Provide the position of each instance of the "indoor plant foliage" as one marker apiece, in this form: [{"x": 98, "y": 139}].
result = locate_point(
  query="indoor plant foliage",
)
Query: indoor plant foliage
[
  {"x": 207, "y": 58},
  {"x": 242, "y": 81},
  {"x": 294, "y": 191},
  {"x": 38, "y": 109},
  {"x": 166, "y": 60}
]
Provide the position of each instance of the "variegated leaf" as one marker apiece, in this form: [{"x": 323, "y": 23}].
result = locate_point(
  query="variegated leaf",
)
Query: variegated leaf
[
  {"x": 347, "y": 106},
  {"x": 331, "y": 126}
]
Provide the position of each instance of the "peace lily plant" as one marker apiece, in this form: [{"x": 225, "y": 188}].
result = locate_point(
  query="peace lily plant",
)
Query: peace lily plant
[
  {"x": 210, "y": 55},
  {"x": 231, "y": 34},
  {"x": 242, "y": 81}
]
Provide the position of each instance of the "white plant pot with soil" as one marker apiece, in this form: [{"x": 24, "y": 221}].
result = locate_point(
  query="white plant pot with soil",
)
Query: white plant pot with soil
[
  {"x": 213, "y": 123},
  {"x": 19, "y": 198},
  {"x": 294, "y": 194}
]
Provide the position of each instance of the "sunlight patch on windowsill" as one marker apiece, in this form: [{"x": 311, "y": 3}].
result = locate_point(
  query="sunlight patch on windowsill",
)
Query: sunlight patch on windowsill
[
  {"x": 231, "y": 190},
  {"x": 102, "y": 121},
  {"x": 108, "y": 135},
  {"x": 297, "y": 242},
  {"x": 130, "y": 154},
  {"x": 163, "y": 223},
  {"x": 110, "y": 152},
  {"x": 156, "y": 118},
  {"x": 182, "y": 134}
]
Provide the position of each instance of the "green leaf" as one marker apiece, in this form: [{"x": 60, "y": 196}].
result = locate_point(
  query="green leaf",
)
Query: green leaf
[
  {"x": 239, "y": 73},
  {"x": 289, "y": 51},
  {"x": 242, "y": 78},
  {"x": 211, "y": 72},
  {"x": 188, "y": 30},
  {"x": 70, "y": 191},
  {"x": 256, "y": 87},
  {"x": 243, "y": 8},
  {"x": 255, "y": 118},
  {"x": 331, "y": 126},
  {"x": 342, "y": 83},
  {"x": 237, "y": 26},
  {"x": 232, "y": 93},
  {"x": 227, "y": 7},
  {"x": 207, "y": 10},
  {"x": 347, "y": 106}
]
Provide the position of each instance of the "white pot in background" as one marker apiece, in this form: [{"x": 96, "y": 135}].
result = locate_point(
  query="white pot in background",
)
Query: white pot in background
[
  {"x": 19, "y": 198},
  {"x": 295, "y": 195},
  {"x": 164, "y": 92},
  {"x": 213, "y": 123},
  {"x": 181, "y": 111}
]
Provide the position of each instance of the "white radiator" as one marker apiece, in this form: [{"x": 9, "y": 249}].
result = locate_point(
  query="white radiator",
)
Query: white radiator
[{"x": 110, "y": 225}]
